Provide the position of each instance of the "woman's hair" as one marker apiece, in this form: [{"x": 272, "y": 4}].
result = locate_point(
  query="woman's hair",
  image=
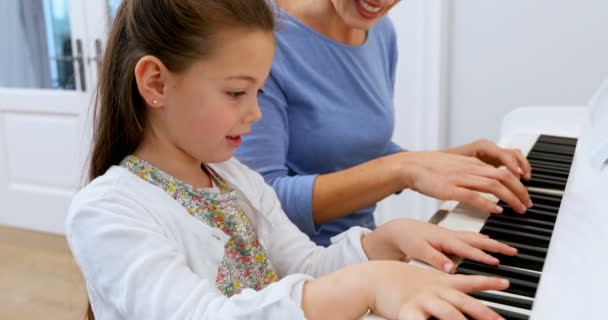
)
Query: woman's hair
[{"x": 177, "y": 32}]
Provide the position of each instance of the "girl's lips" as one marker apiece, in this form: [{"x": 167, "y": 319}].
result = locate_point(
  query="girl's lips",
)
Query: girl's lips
[{"x": 235, "y": 141}]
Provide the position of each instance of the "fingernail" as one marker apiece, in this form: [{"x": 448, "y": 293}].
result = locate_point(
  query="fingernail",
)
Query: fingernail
[
  {"x": 447, "y": 267},
  {"x": 499, "y": 209},
  {"x": 522, "y": 208},
  {"x": 530, "y": 204},
  {"x": 504, "y": 281},
  {"x": 528, "y": 175},
  {"x": 521, "y": 172}
]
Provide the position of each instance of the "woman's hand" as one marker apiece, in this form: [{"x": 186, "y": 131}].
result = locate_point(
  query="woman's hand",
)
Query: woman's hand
[
  {"x": 396, "y": 290},
  {"x": 490, "y": 153},
  {"x": 430, "y": 243},
  {"x": 449, "y": 176}
]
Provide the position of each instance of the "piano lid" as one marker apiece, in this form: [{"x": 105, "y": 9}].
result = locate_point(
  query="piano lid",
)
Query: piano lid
[{"x": 598, "y": 110}]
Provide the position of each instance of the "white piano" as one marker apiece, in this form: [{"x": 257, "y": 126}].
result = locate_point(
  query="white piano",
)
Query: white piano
[{"x": 561, "y": 272}]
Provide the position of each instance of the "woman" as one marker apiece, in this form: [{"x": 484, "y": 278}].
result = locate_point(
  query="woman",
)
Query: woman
[{"x": 324, "y": 142}]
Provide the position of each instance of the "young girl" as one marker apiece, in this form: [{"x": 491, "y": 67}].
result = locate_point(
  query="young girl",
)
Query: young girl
[{"x": 172, "y": 227}]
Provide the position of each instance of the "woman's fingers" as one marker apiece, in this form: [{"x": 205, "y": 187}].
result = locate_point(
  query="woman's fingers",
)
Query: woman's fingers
[
  {"x": 473, "y": 198},
  {"x": 484, "y": 243},
  {"x": 426, "y": 253},
  {"x": 464, "y": 250},
  {"x": 497, "y": 188},
  {"x": 513, "y": 184},
  {"x": 524, "y": 164}
]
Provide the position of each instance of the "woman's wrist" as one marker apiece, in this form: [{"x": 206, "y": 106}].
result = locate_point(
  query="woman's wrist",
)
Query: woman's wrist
[{"x": 403, "y": 168}]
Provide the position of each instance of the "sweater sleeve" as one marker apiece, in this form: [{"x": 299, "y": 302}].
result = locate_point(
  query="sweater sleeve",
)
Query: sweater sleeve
[
  {"x": 131, "y": 265},
  {"x": 265, "y": 151}
]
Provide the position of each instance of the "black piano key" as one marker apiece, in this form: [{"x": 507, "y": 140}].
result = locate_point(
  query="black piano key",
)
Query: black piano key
[
  {"x": 533, "y": 155},
  {"x": 515, "y": 236},
  {"x": 545, "y": 184},
  {"x": 550, "y": 164},
  {"x": 522, "y": 219},
  {"x": 510, "y": 315},
  {"x": 538, "y": 215},
  {"x": 527, "y": 249},
  {"x": 520, "y": 260},
  {"x": 553, "y": 148},
  {"x": 546, "y": 168},
  {"x": 521, "y": 282},
  {"x": 504, "y": 300},
  {"x": 557, "y": 140},
  {"x": 546, "y": 207},
  {"x": 519, "y": 227},
  {"x": 545, "y": 198},
  {"x": 548, "y": 177}
]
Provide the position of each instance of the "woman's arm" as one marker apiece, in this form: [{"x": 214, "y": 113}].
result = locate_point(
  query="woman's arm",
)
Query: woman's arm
[{"x": 440, "y": 175}]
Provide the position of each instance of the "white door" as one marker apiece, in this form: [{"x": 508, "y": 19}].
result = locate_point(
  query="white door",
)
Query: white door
[{"x": 47, "y": 79}]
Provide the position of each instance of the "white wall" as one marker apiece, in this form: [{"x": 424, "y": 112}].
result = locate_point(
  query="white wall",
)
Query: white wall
[{"x": 511, "y": 53}]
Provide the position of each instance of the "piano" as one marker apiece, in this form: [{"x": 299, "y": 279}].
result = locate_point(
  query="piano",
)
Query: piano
[{"x": 561, "y": 270}]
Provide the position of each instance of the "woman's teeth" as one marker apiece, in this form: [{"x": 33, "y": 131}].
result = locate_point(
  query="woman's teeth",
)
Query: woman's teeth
[{"x": 368, "y": 7}]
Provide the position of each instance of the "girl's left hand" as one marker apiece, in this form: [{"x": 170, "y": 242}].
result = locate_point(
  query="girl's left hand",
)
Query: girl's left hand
[{"x": 430, "y": 243}]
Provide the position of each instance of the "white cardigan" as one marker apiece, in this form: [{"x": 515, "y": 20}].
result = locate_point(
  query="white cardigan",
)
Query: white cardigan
[{"x": 144, "y": 257}]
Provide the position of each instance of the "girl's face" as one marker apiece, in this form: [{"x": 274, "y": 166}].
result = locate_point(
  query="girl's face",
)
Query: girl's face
[
  {"x": 362, "y": 14},
  {"x": 207, "y": 108}
]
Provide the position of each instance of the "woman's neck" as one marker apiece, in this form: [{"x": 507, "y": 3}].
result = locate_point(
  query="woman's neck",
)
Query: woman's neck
[
  {"x": 172, "y": 160},
  {"x": 321, "y": 16}
]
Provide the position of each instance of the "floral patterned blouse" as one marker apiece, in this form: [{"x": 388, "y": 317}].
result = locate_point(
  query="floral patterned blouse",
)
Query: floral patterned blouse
[{"x": 245, "y": 263}]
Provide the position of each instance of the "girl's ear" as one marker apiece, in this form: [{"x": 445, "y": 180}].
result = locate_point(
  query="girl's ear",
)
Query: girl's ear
[{"x": 150, "y": 75}]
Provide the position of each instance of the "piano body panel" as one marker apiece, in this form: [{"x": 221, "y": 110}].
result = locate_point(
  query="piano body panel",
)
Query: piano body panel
[
  {"x": 575, "y": 277},
  {"x": 574, "y": 284}
]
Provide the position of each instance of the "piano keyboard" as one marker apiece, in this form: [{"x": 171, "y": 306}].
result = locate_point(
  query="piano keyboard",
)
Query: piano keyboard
[{"x": 551, "y": 158}]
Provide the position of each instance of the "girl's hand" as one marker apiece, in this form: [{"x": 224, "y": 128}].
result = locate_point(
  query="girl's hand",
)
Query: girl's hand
[
  {"x": 396, "y": 290},
  {"x": 430, "y": 243},
  {"x": 437, "y": 295},
  {"x": 448, "y": 176}
]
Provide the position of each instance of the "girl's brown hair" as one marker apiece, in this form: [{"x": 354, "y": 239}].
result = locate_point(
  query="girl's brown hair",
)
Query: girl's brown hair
[{"x": 177, "y": 32}]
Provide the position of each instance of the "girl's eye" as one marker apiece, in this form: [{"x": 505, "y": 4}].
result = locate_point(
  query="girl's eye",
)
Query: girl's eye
[{"x": 235, "y": 94}]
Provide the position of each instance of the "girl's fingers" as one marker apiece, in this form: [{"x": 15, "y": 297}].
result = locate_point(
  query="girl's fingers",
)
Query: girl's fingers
[
  {"x": 468, "y": 305},
  {"x": 440, "y": 308},
  {"x": 433, "y": 257},
  {"x": 468, "y": 283},
  {"x": 411, "y": 312},
  {"x": 464, "y": 250}
]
